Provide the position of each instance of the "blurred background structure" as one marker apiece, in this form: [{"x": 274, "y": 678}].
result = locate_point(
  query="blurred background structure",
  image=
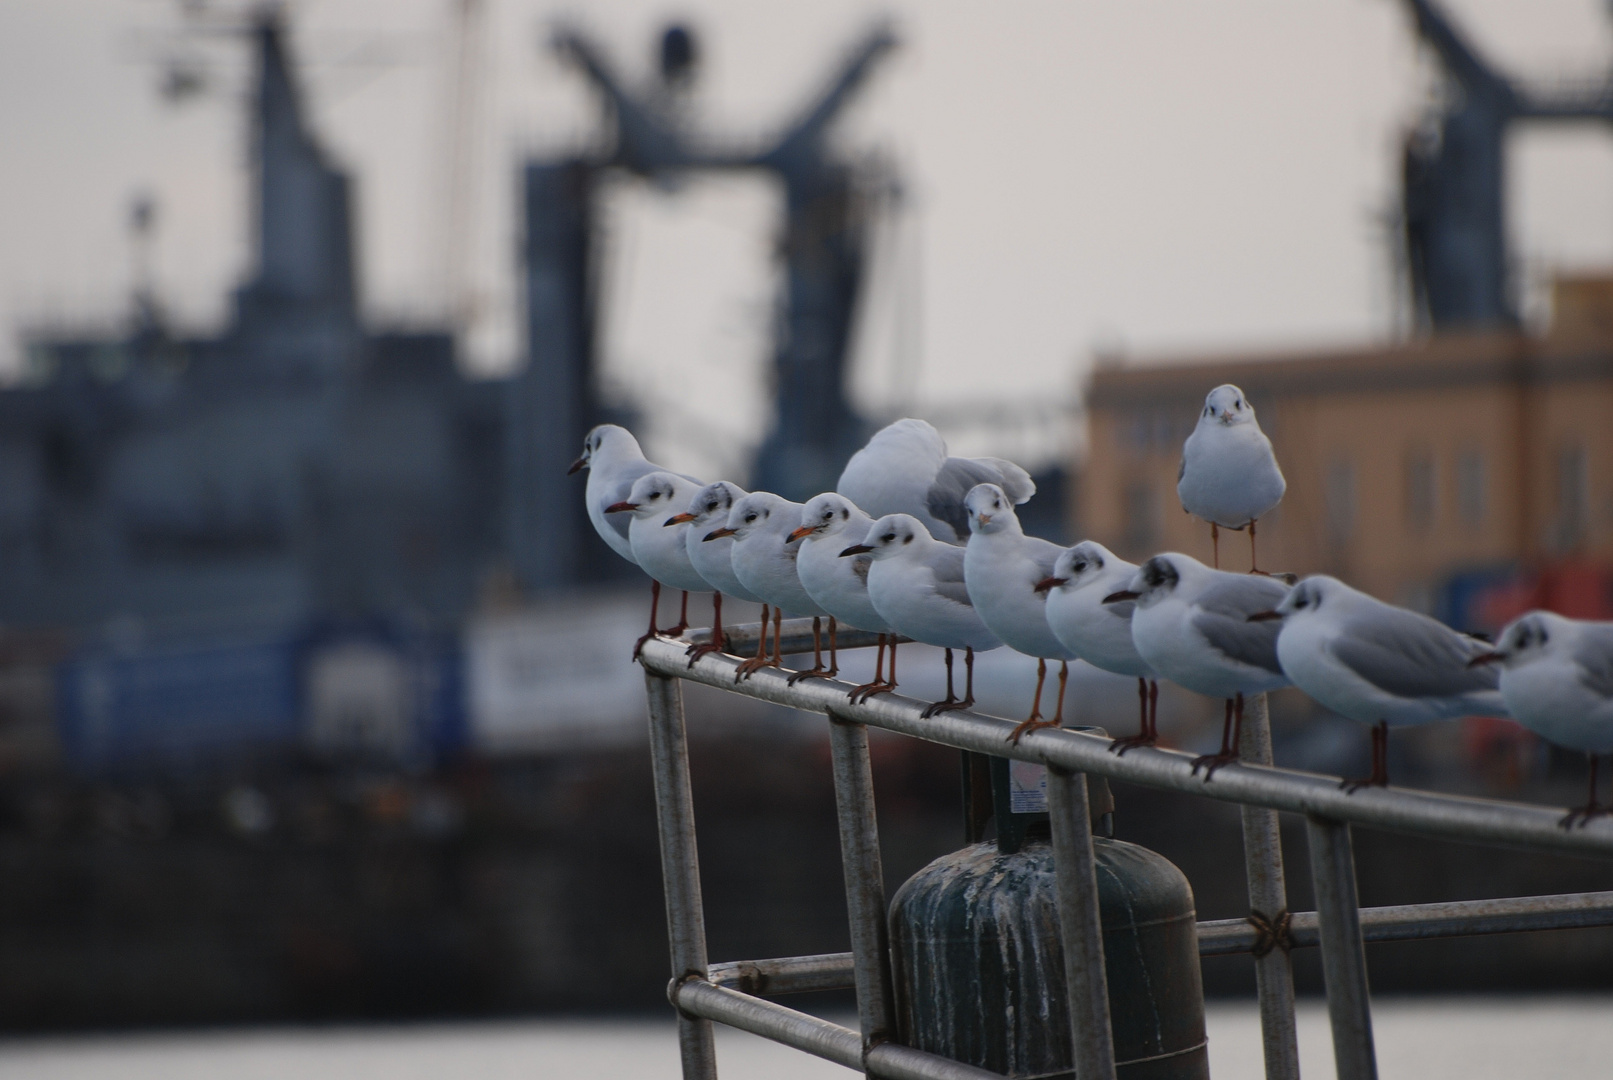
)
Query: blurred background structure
[{"x": 314, "y": 699}]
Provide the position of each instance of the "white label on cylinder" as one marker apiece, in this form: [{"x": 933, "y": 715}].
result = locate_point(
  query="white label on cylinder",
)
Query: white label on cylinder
[{"x": 1027, "y": 787}]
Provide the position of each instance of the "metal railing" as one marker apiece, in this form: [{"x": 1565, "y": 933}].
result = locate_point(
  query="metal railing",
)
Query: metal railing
[{"x": 731, "y": 993}]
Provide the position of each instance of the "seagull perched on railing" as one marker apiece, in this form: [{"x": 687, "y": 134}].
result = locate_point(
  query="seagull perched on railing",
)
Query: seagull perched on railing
[
  {"x": 1192, "y": 625},
  {"x": 840, "y": 586},
  {"x": 713, "y": 560},
  {"x": 614, "y": 462},
  {"x": 1557, "y": 681},
  {"x": 905, "y": 469},
  {"x": 653, "y": 500},
  {"x": 1379, "y": 664},
  {"x": 916, "y": 584},
  {"x": 1002, "y": 567},
  {"x": 1100, "y": 633},
  {"x": 764, "y": 561},
  {"x": 1229, "y": 475}
]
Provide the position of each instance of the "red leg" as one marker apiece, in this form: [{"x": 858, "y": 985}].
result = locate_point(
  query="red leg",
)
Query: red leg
[
  {"x": 879, "y": 685},
  {"x": 1064, "y": 681},
  {"x": 950, "y": 700},
  {"x": 1254, "y": 563},
  {"x": 749, "y": 667},
  {"x": 683, "y": 618},
  {"x": 1145, "y": 731},
  {"x": 1380, "y": 762},
  {"x": 778, "y": 628},
  {"x": 655, "y": 602},
  {"x": 1591, "y": 808},
  {"x": 716, "y": 643},
  {"x": 817, "y": 671},
  {"x": 1231, "y": 728},
  {"x": 1153, "y": 710},
  {"x": 1034, "y": 720},
  {"x": 1215, "y": 546}
]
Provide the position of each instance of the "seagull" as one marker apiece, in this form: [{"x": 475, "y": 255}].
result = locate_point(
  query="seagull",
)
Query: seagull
[
  {"x": 1002, "y": 566},
  {"x": 1191, "y": 624},
  {"x": 614, "y": 462},
  {"x": 764, "y": 561},
  {"x": 1100, "y": 633},
  {"x": 839, "y": 586},
  {"x": 1229, "y": 475},
  {"x": 713, "y": 561},
  {"x": 1557, "y": 681},
  {"x": 1379, "y": 664},
  {"x": 916, "y": 584},
  {"x": 652, "y": 501},
  {"x": 905, "y": 469}
]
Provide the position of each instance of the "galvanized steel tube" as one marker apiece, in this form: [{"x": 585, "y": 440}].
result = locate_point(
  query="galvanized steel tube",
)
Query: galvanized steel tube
[
  {"x": 1396, "y": 809},
  {"x": 680, "y": 864},
  {"x": 1268, "y": 899},
  {"x": 865, "y": 877},
  {"x": 1080, "y": 924},
  {"x": 1344, "y": 961}
]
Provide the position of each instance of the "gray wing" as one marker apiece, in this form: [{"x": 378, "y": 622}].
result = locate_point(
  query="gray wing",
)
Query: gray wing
[
  {"x": 860, "y": 565},
  {"x": 1410, "y": 655},
  {"x": 1045, "y": 553},
  {"x": 1121, "y": 609},
  {"x": 1594, "y": 656},
  {"x": 1223, "y": 619},
  {"x": 956, "y": 478},
  {"x": 947, "y": 568},
  {"x": 1015, "y": 482}
]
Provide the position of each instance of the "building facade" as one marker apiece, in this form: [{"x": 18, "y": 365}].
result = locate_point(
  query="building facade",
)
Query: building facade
[{"x": 1413, "y": 471}]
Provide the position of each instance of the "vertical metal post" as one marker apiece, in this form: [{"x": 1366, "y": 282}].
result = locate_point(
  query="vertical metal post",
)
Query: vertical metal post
[
  {"x": 680, "y": 864},
  {"x": 1081, "y": 925},
  {"x": 1344, "y": 962},
  {"x": 1268, "y": 901},
  {"x": 865, "y": 878}
]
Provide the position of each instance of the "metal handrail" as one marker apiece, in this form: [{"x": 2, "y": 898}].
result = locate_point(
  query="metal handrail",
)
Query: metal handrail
[{"x": 729, "y": 992}]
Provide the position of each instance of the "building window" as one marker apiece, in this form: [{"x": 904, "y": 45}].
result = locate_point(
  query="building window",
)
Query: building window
[
  {"x": 1141, "y": 517},
  {"x": 1339, "y": 497},
  {"x": 1421, "y": 490},
  {"x": 1470, "y": 486},
  {"x": 1573, "y": 495}
]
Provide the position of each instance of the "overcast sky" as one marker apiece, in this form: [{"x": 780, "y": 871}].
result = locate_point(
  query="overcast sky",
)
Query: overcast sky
[{"x": 1159, "y": 178}]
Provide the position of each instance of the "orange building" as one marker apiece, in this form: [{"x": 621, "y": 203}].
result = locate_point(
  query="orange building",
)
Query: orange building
[{"x": 1423, "y": 473}]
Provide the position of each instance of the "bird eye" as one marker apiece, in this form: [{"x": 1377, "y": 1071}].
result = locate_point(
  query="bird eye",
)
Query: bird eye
[
  {"x": 829, "y": 515},
  {"x": 888, "y": 537},
  {"x": 1079, "y": 565},
  {"x": 1543, "y": 637},
  {"x": 710, "y": 506},
  {"x": 908, "y": 539},
  {"x": 749, "y": 518},
  {"x": 846, "y": 514}
]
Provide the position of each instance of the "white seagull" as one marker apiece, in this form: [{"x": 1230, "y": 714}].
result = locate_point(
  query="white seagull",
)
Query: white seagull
[
  {"x": 713, "y": 560},
  {"x": 654, "y": 499},
  {"x": 840, "y": 586},
  {"x": 1557, "y": 681},
  {"x": 1191, "y": 624},
  {"x": 1379, "y": 664},
  {"x": 1002, "y": 567},
  {"x": 916, "y": 584},
  {"x": 614, "y": 462},
  {"x": 1100, "y": 633},
  {"x": 1229, "y": 475},
  {"x": 764, "y": 561},
  {"x": 905, "y": 469}
]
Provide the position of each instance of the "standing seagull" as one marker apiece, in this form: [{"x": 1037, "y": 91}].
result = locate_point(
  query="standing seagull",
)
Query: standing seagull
[
  {"x": 1192, "y": 625},
  {"x": 905, "y": 469},
  {"x": 713, "y": 560},
  {"x": 654, "y": 499},
  {"x": 916, "y": 584},
  {"x": 1557, "y": 681},
  {"x": 614, "y": 461},
  {"x": 1379, "y": 664},
  {"x": 840, "y": 586},
  {"x": 1100, "y": 633},
  {"x": 1002, "y": 567},
  {"x": 1229, "y": 475},
  {"x": 764, "y": 561}
]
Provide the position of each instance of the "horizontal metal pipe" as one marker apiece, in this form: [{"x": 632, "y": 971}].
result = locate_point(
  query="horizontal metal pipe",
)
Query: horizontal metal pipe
[
  {"x": 815, "y": 1036},
  {"x": 786, "y": 974},
  {"x": 795, "y": 635},
  {"x": 1449, "y": 817},
  {"x": 1463, "y": 918}
]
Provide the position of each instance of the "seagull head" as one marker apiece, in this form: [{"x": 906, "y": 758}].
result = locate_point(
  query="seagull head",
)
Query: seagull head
[
  {"x": 1526, "y": 639},
  {"x": 825, "y": 515},
  {"x": 1154, "y": 581},
  {"x": 753, "y": 515},
  {"x": 604, "y": 441},
  {"x": 1226, "y": 405},
  {"x": 890, "y": 537},
  {"x": 1079, "y": 567},
  {"x": 654, "y": 495},
  {"x": 709, "y": 506},
  {"x": 990, "y": 511}
]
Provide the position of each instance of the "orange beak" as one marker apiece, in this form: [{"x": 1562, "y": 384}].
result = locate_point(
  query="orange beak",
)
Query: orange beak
[
  {"x": 805, "y": 530},
  {"x": 718, "y": 534},
  {"x": 678, "y": 519},
  {"x": 617, "y": 508},
  {"x": 1049, "y": 583},
  {"x": 575, "y": 465}
]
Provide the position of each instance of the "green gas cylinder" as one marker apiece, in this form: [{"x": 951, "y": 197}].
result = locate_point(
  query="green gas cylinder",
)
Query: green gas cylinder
[{"x": 979, "y": 971}]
